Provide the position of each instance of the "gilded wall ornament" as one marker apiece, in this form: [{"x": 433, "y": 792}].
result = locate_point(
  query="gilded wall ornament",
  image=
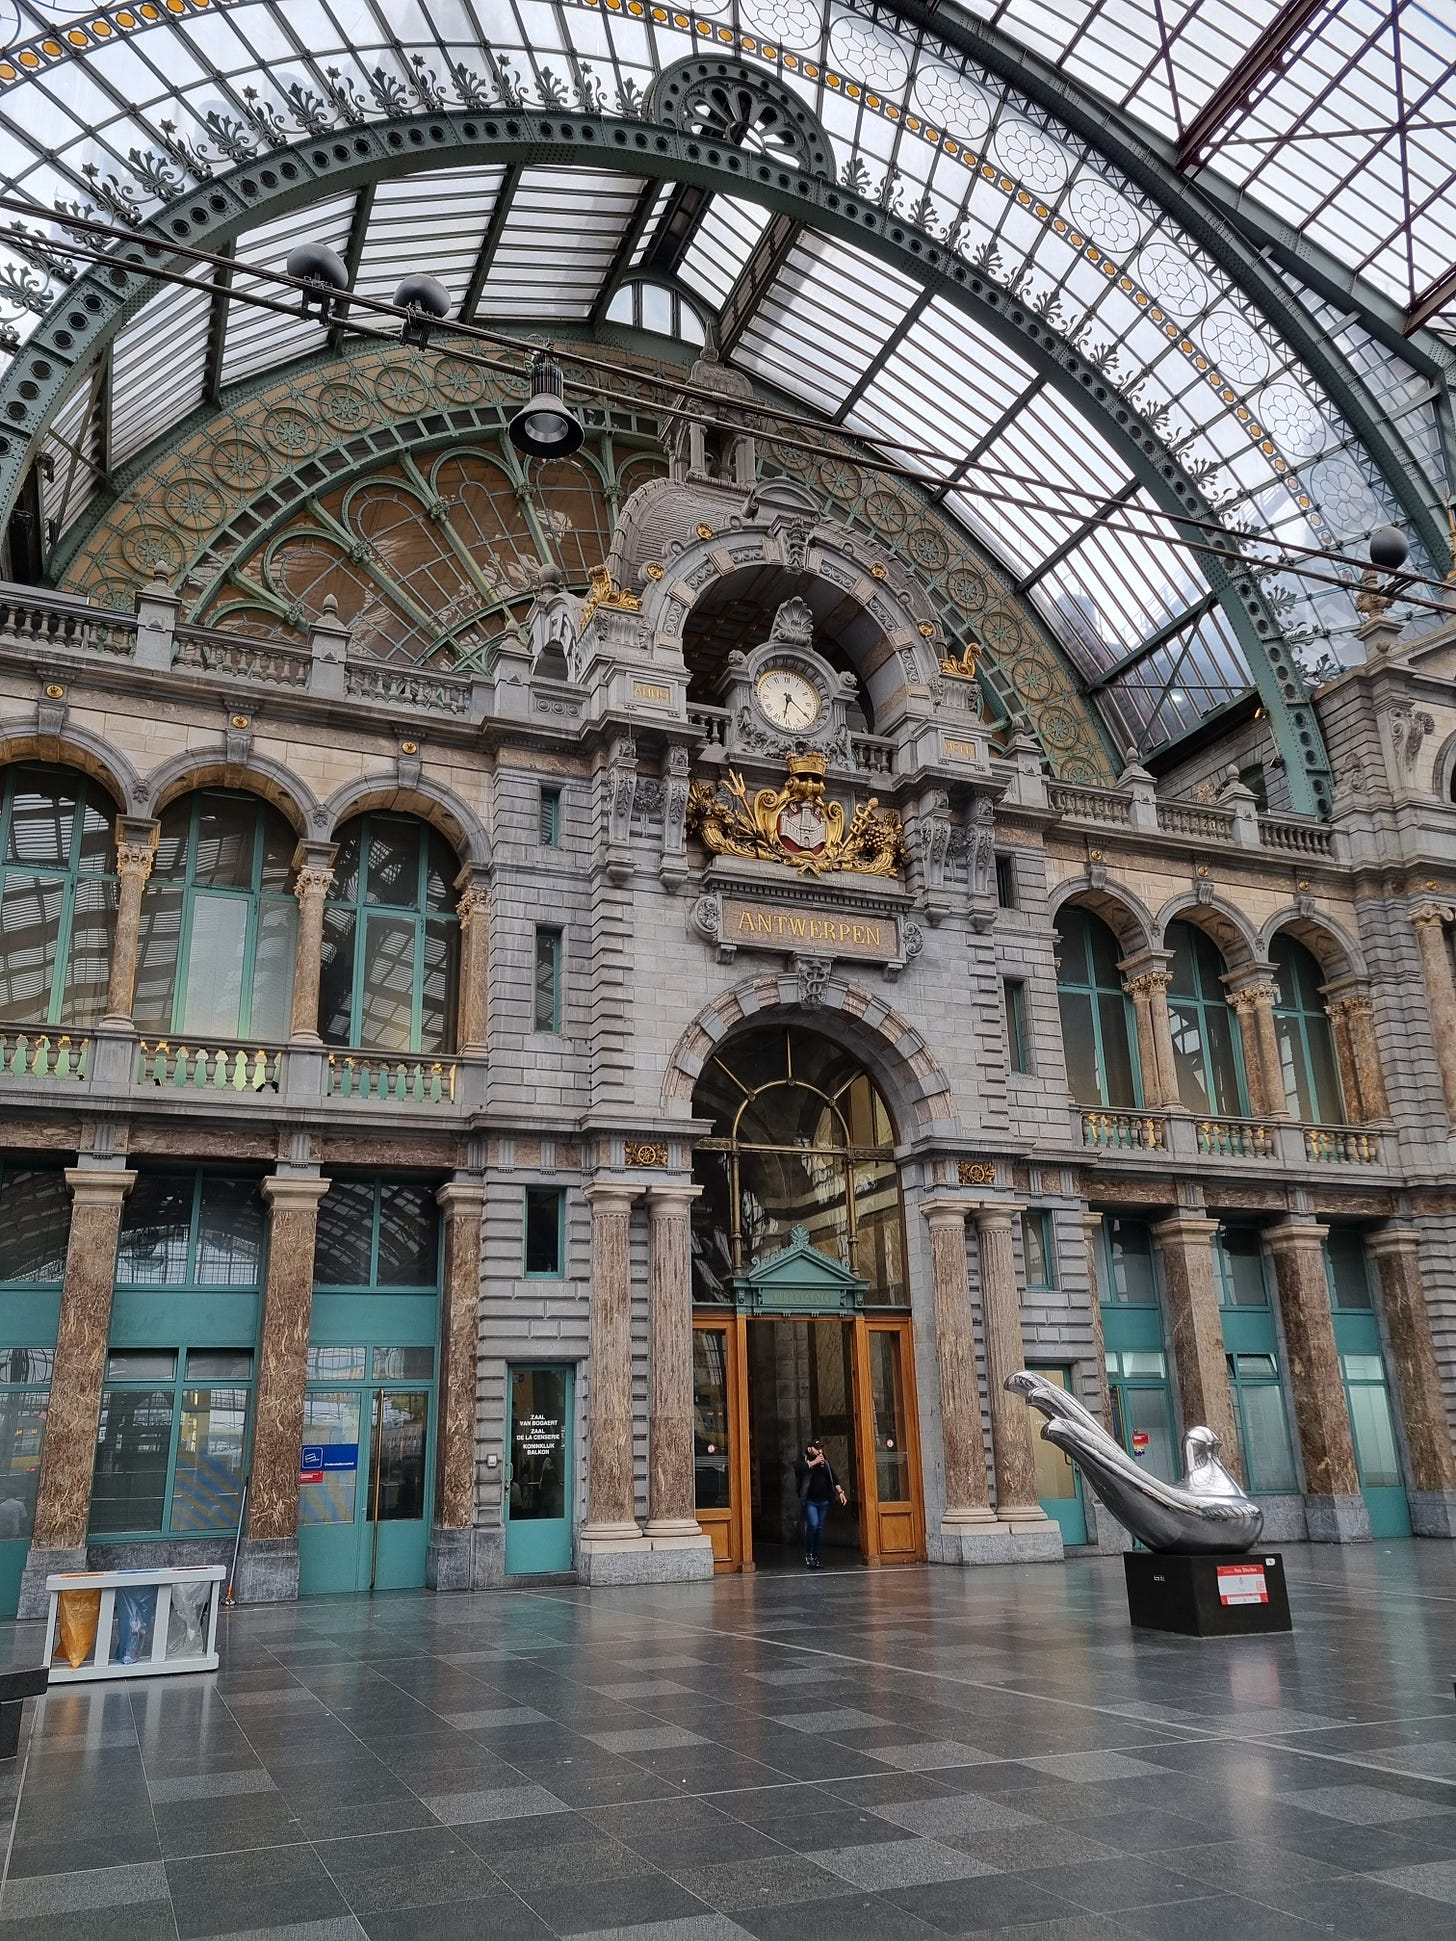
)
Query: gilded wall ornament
[{"x": 795, "y": 825}]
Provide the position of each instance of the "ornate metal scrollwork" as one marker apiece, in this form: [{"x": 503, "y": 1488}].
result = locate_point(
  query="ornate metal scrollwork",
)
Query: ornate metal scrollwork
[
  {"x": 729, "y": 101},
  {"x": 796, "y": 825}
]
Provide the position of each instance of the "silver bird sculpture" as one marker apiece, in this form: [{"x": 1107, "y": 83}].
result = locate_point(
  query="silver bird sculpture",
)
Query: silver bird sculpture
[{"x": 1207, "y": 1513}]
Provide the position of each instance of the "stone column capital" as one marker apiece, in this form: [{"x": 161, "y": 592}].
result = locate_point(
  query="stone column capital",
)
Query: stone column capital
[
  {"x": 1295, "y": 1235},
  {"x": 1142, "y": 962},
  {"x": 461, "y": 1196},
  {"x": 137, "y": 836},
  {"x": 1248, "y": 997},
  {"x": 99, "y": 1185},
  {"x": 1249, "y": 977},
  {"x": 672, "y": 1198},
  {"x": 992, "y": 1216},
  {"x": 1391, "y": 1240},
  {"x": 1144, "y": 983},
  {"x": 294, "y": 1192},
  {"x": 1432, "y": 915},
  {"x": 1091, "y": 1223},
  {"x": 1185, "y": 1226},
  {"x": 946, "y": 1213},
  {"x": 611, "y": 1195},
  {"x": 309, "y": 854},
  {"x": 473, "y": 902}
]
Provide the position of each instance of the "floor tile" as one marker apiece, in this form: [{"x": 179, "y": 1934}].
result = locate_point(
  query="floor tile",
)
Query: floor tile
[
  {"x": 382, "y": 1871},
  {"x": 235, "y": 1893},
  {"x": 1080, "y": 1766},
  {"x": 610, "y": 1904},
  {"x": 830, "y": 1720},
  {"x": 982, "y": 1905},
  {"x": 956, "y": 1815},
  {"x": 495, "y": 1916},
  {"x": 1362, "y": 1805},
  {"x": 1436, "y": 1879},
  {"x": 497, "y": 1803},
  {"x": 898, "y": 1863},
  {"x": 73, "y": 1893},
  {"x": 650, "y": 1738},
  {"x": 781, "y": 1880}
]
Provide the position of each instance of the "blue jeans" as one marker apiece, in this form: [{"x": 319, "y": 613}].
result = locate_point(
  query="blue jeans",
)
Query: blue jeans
[{"x": 814, "y": 1515}]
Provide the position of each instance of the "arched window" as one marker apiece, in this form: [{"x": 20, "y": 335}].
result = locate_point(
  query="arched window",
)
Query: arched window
[
  {"x": 391, "y": 939},
  {"x": 1306, "y": 1042},
  {"x": 57, "y": 896},
  {"x": 801, "y": 1138},
  {"x": 1097, "y": 1024},
  {"x": 1205, "y": 1045},
  {"x": 219, "y": 922}
]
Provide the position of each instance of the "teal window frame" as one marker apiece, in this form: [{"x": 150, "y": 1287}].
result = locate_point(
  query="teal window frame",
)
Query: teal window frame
[
  {"x": 255, "y": 899},
  {"x": 1205, "y": 1002},
  {"x": 1301, "y": 1024},
  {"x": 1013, "y": 991},
  {"x": 558, "y": 1271},
  {"x": 182, "y": 1385},
  {"x": 190, "y": 1283},
  {"x": 1038, "y": 1222},
  {"x": 549, "y": 818},
  {"x": 1075, "y": 936},
  {"x": 554, "y": 936},
  {"x": 1109, "y": 1295},
  {"x": 1006, "y": 886},
  {"x": 373, "y": 1285},
  {"x": 1348, "y": 1248},
  {"x": 67, "y": 878},
  {"x": 421, "y": 913}
]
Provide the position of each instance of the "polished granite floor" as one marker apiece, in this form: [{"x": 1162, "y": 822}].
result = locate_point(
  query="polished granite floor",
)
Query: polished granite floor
[{"x": 797, "y": 1758}]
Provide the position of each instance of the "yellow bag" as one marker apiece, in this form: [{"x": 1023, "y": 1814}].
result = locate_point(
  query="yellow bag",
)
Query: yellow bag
[{"x": 76, "y": 1622}]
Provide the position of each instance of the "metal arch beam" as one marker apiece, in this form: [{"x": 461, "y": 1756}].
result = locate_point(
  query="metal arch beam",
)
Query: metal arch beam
[
  {"x": 1440, "y": 295},
  {"x": 91, "y": 311},
  {"x": 1233, "y": 92}
]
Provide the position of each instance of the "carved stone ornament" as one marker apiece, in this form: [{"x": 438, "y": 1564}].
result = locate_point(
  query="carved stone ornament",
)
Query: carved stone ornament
[
  {"x": 796, "y": 826},
  {"x": 1408, "y": 729},
  {"x": 976, "y": 1172},
  {"x": 602, "y": 592},
  {"x": 313, "y": 880},
  {"x": 646, "y": 1152},
  {"x": 981, "y": 850},
  {"x": 912, "y": 939},
  {"x": 814, "y": 974}
]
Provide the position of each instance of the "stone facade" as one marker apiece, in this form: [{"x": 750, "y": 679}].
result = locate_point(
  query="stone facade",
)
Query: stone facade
[{"x": 651, "y": 981}]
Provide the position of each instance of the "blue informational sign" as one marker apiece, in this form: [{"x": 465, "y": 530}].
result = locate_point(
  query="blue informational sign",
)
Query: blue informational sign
[{"x": 317, "y": 1458}]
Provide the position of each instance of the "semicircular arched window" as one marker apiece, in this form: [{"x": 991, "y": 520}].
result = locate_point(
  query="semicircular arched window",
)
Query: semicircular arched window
[
  {"x": 801, "y": 1138},
  {"x": 57, "y": 896},
  {"x": 1097, "y": 1023},
  {"x": 219, "y": 922},
  {"x": 1206, "y": 1054},
  {"x": 1306, "y": 1042},
  {"x": 391, "y": 951}
]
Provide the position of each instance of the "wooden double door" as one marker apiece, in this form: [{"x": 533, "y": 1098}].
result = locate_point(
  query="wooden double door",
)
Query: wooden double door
[{"x": 761, "y": 1387}]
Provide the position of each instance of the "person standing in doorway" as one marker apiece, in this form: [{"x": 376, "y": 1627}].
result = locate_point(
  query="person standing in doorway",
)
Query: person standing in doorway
[{"x": 818, "y": 1486}]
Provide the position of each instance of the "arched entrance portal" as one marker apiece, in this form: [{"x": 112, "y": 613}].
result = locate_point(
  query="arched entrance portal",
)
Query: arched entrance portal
[{"x": 801, "y": 1306}]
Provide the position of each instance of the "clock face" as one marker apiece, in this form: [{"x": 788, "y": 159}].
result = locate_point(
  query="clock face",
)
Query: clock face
[{"x": 789, "y": 700}]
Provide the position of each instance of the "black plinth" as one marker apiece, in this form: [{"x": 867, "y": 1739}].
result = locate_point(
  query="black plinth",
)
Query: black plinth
[
  {"x": 15, "y": 1688},
  {"x": 1207, "y": 1597}
]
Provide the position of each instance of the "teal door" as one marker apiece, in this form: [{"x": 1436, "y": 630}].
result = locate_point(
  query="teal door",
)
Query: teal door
[
  {"x": 538, "y": 1480},
  {"x": 1058, "y": 1480},
  {"x": 1372, "y": 1423},
  {"x": 364, "y": 1489}
]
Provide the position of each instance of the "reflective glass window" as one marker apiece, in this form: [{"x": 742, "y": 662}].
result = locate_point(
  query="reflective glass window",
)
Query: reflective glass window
[
  {"x": 35, "y": 1225},
  {"x": 1038, "y": 1250},
  {"x": 1098, "y": 1036},
  {"x": 1206, "y": 1055},
  {"x": 191, "y": 1229},
  {"x": 1347, "y": 1269},
  {"x": 1242, "y": 1270},
  {"x": 1132, "y": 1275},
  {"x": 390, "y": 967},
  {"x": 545, "y": 1214},
  {"x": 1014, "y": 995},
  {"x": 546, "y": 991},
  {"x": 171, "y": 1447},
  {"x": 1306, "y": 1042},
  {"x": 57, "y": 897},
  {"x": 377, "y": 1234}
]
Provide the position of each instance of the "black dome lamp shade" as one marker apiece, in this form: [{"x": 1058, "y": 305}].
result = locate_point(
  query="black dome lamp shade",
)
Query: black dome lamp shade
[
  {"x": 427, "y": 301},
  {"x": 318, "y": 266},
  {"x": 545, "y": 426},
  {"x": 1388, "y": 549}
]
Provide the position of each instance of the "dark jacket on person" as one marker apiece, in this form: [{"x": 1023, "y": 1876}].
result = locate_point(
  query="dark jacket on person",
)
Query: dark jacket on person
[{"x": 818, "y": 1478}]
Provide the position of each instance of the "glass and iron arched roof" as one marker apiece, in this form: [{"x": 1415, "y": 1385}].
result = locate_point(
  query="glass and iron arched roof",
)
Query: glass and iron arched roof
[{"x": 1100, "y": 345}]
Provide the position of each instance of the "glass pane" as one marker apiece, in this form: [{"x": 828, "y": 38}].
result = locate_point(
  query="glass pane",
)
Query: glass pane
[
  {"x": 386, "y": 1005},
  {"x": 879, "y": 1240},
  {"x": 345, "y": 888},
  {"x": 1145, "y": 1411},
  {"x": 88, "y": 963},
  {"x": 392, "y": 863},
  {"x": 782, "y": 1190},
  {"x": 711, "y": 1468},
  {"x": 442, "y": 866},
  {"x": 892, "y": 1458},
  {"x": 157, "y": 952},
  {"x": 142, "y": 1365},
  {"x": 1243, "y": 1282},
  {"x": 344, "y": 1247},
  {"x": 1266, "y": 1436},
  {"x": 1056, "y": 1479},
  {"x": 26, "y": 1364},
  {"x": 1329, "y": 1102},
  {"x": 336, "y": 978},
  {"x": 439, "y": 998},
  {"x": 277, "y": 948},
  {"x": 1136, "y": 1363},
  {"x": 207, "y": 1486},
  {"x": 1258, "y": 1368},
  {"x": 543, "y": 1230},
  {"x": 30, "y": 929},
  {"x": 404, "y": 1364},
  {"x": 336, "y": 1364},
  {"x": 1190, "y": 1057},
  {"x": 35, "y": 1224},
  {"x": 1363, "y": 1368},
  {"x": 328, "y": 1469},
  {"x": 400, "y": 1459},
  {"x": 1037, "y": 1249},
  {"x": 220, "y": 1365},
  {"x": 712, "y": 1224},
  {"x": 1375, "y": 1446},
  {"x": 1117, "y": 1053},
  {"x": 1223, "y": 1060},
  {"x": 409, "y": 1223},
  {"x": 133, "y": 1442},
  {"x": 216, "y": 956},
  {"x": 1349, "y": 1277},
  {"x": 548, "y": 952},
  {"x": 230, "y": 1233},
  {"x": 22, "y": 1429},
  {"x": 227, "y": 831},
  {"x": 1079, "y": 1041},
  {"x": 1130, "y": 1249},
  {"x": 43, "y": 818},
  {"x": 538, "y": 1444},
  {"x": 156, "y": 1231}
]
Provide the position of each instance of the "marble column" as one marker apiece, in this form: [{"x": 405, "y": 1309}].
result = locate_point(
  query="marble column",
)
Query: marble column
[
  {"x": 1092, "y": 1237},
  {"x": 1147, "y": 986},
  {"x": 474, "y": 909},
  {"x": 1396, "y": 1253},
  {"x": 1362, "y": 1079},
  {"x": 1430, "y": 922},
  {"x": 1253, "y": 995},
  {"x": 1334, "y": 1508},
  {"x": 1190, "y": 1284},
  {"x": 612, "y": 1547},
  {"x": 268, "y": 1557},
  {"x": 672, "y": 1525},
  {"x": 1033, "y": 1534},
  {"x": 969, "y": 1521},
  {"x": 1242, "y": 1004},
  {"x": 136, "y": 847},
  {"x": 313, "y": 863},
  {"x": 450, "y": 1565},
  {"x": 68, "y": 1452}
]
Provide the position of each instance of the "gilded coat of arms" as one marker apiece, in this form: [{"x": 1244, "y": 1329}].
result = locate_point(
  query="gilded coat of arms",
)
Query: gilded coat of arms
[{"x": 796, "y": 825}]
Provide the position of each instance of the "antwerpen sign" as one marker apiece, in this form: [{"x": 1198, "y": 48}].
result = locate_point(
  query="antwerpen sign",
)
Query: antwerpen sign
[{"x": 780, "y": 926}]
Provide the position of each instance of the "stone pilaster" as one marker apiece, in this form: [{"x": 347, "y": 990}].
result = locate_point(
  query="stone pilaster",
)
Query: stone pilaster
[
  {"x": 1430, "y": 922},
  {"x": 1362, "y": 1079},
  {"x": 314, "y": 878},
  {"x": 474, "y": 909},
  {"x": 1033, "y": 1534},
  {"x": 672, "y": 1525},
  {"x": 1334, "y": 1508},
  {"x": 68, "y": 1453},
  {"x": 268, "y": 1557},
  {"x": 1396, "y": 1253},
  {"x": 1146, "y": 983},
  {"x": 1196, "y": 1333},
  {"x": 969, "y": 1531},
  {"x": 450, "y": 1565},
  {"x": 612, "y": 1547},
  {"x": 136, "y": 848},
  {"x": 1253, "y": 996}
]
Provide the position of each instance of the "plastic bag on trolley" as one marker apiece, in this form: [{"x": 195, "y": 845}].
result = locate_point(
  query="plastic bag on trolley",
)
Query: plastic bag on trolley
[
  {"x": 78, "y": 1613},
  {"x": 136, "y": 1616},
  {"x": 187, "y": 1624}
]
